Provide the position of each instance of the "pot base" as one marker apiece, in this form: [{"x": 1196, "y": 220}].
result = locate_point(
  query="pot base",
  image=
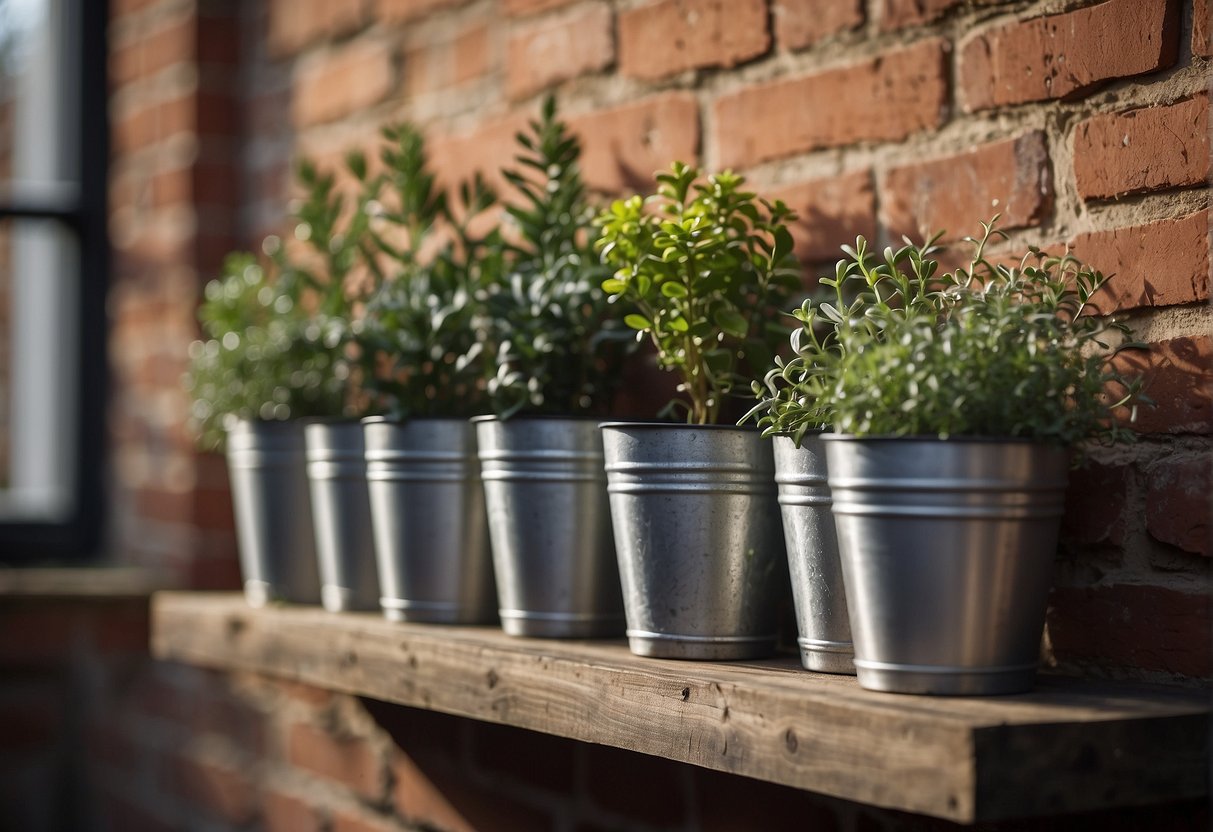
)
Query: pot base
[
  {"x": 700, "y": 648},
  {"x": 946, "y": 681},
  {"x": 532, "y": 624},
  {"x": 430, "y": 612},
  {"x": 827, "y": 656}
]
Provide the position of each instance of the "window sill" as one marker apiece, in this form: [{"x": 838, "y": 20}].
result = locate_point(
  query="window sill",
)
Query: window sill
[{"x": 1071, "y": 745}]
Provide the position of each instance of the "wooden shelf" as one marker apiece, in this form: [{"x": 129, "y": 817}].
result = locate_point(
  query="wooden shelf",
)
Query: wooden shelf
[{"x": 1070, "y": 745}]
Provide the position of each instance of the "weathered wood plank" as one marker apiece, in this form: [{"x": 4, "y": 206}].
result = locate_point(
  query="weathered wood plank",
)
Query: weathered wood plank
[{"x": 962, "y": 759}]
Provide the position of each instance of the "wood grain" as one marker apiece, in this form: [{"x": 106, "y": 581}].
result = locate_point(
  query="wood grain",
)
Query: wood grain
[{"x": 1068, "y": 746}]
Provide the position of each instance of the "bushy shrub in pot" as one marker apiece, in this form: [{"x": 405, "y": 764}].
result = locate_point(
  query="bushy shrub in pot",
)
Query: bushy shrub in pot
[
  {"x": 957, "y": 399},
  {"x": 425, "y": 364},
  {"x": 275, "y": 356},
  {"x": 557, "y": 349},
  {"x": 693, "y": 506}
]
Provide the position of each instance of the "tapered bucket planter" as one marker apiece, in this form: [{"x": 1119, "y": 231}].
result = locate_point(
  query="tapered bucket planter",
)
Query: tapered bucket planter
[
  {"x": 550, "y": 527},
  {"x": 947, "y": 551},
  {"x": 701, "y": 556},
  {"x": 341, "y": 513},
  {"x": 813, "y": 563},
  {"x": 427, "y": 512},
  {"x": 273, "y": 512}
]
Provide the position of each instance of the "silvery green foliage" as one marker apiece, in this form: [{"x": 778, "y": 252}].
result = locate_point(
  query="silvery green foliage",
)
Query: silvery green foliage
[
  {"x": 277, "y": 333},
  {"x": 992, "y": 350},
  {"x": 555, "y": 342},
  {"x": 705, "y": 264},
  {"x": 419, "y": 333}
]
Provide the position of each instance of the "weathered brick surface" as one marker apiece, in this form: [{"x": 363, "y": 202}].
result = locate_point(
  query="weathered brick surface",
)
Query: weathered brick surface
[
  {"x": 1097, "y": 504},
  {"x": 525, "y": 7},
  {"x": 831, "y": 211},
  {"x": 1065, "y": 55},
  {"x": 547, "y": 51},
  {"x": 218, "y": 791},
  {"x": 898, "y": 14},
  {"x": 669, "y": 36},
  {"x": 404, "y": 11},
  {"x": 286, "y": 812},
  {"x": 1143, "y": 150},
  {"x": 1178, "y": 376},
  {"x": 802, "y": 23},
  {"x": 297, "y": 24},
  {"x": 1122, "y": 626},
  {"x": 1011, "y": 178},
  {"x": 1160, "y": 264},
  {"x": 1179, "y": 502},
  {"x": 348, "y": 80},
  {"x": 347, "y": 760},
  {"x": 1202, "y": 26},
  {"x": 883, "y": 99},
  {"x": 624, "y": 146}
]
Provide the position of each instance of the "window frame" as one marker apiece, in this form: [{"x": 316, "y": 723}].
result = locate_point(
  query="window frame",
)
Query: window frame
[{"x": 78, "y": 536}]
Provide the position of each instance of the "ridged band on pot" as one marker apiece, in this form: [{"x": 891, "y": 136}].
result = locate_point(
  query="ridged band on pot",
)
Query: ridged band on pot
[
  {"x": 341, "y": 511},
  {"x": 550, "y": 527},
  {"x": 813, "y": 563},
  {"x": 273, "y": 512},
  {"x": 427, "y": 512},
  {"x": 947, "y": 550},
  {"x": 697, "y": 531}
]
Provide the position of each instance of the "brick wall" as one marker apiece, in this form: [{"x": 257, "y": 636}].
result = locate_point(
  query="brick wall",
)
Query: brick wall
[{"x": 1084, "y": 123}]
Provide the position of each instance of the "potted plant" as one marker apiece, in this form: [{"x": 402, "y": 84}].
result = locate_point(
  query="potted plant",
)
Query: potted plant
[
  {"x": 419, "y": 336},
  {"x": 557, "y": 352},
  {"x": 956, "y": 399},
  {"x": 693, "y": 506},
  {"x": 266, "y": 384}
]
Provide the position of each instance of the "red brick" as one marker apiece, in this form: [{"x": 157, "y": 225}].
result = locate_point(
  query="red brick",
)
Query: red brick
[
  {"x": 296, "y": 24},
  {"x": 347, "y": 760},
  {"x": 1161, "y": 264},
  {"x": 831, "y": 212},
  {"x": 952, "y": 194},
  {"x": 670, "y": 36},
  {"x": 1178, "y": 493},
  {"x": 898, "y": 14},
  {"x": 1123, "y": 627},
  {"x": 218, "y": 40},
  {"x": 351, "y": 79},
  {"x": 1202, "y": 25},
  {"x": 486, "y": 149},
  {"x": 214, "y": 790},
  {"x": 1096, "y": 504},
  {"x": 403, "y": 11},
  {"x": 472, "y": 49},
  {"x": 551, "y": 50},
  {"x": 623, "y": 147},
  {"x": 525, "y": 7},
  {"x": 1143, "y": 150},
  {"x": 885, "y": 98},
  {"x": 1178, "y": 378},
  {"x": 418, "y": 799},
  {"x": 285, "y": 812},
  {"x": 802, "y": 23},
  {"x": 1067, "y": 55},
  {"x": 362, "y": 821}
]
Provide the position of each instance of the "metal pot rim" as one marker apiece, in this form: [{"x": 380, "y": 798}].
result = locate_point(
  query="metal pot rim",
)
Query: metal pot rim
[
  {"x": 620, "y": 423},
  {"x": 950, "y": 440},
  {"x": 392, "y": 420}
]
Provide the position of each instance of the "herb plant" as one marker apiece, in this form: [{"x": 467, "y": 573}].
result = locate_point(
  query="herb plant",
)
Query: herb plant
[
  {"x": 990, "y": 350},
  {"x": 277, "y": 332},
  {"x": 419, "y": 333},
  {"x": 556, "y": 345},
  {"x": 704, "y": 263}
]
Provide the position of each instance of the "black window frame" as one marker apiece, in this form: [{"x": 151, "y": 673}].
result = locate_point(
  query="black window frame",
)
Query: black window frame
[{"x": 78, "y": 536}]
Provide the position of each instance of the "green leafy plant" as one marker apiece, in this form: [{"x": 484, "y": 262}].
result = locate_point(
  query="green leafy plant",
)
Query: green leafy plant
[
  {"x": 419, "y": 332},
  {"x": 991, "y": 349},
  {"x": 704, "y": 263},
  {"x": 556, "y": 346},
  {"x": 277, "y": 331}
]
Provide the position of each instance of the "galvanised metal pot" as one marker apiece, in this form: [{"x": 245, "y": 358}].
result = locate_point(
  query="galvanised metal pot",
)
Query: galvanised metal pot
[
  {"x": 427, "y": 512},
  {"x": 947, "y": 550},
  {"x": 550, "y": 527},
  {"x": 273, "y": 512},
  {"x": 697, "y": 531},
  {"x": 341, "y": 512},
  {"x": 816, "y": 571}
]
